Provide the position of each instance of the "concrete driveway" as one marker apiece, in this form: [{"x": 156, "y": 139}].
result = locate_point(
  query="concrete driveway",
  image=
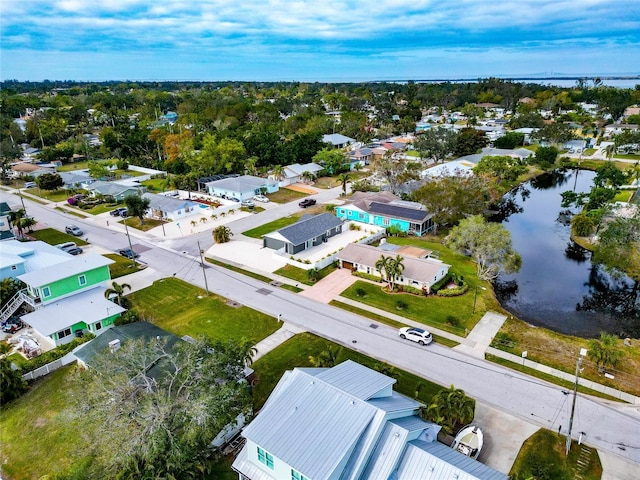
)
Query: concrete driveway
[{"x": 330, "y": 286}]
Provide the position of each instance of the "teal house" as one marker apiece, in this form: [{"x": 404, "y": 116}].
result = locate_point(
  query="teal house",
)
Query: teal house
[
  {"x": 384, "y": 209},
  {"x": 65, "y": 293}
]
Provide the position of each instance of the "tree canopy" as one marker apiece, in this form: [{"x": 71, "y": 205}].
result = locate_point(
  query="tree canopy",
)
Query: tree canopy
[
  {"x": 436, "y": 143},
  {"x": 137, "y": 206},
  {"x": 488, "y": 244}
]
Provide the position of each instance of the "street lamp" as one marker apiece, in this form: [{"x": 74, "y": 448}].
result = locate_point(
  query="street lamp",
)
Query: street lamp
[
  {"x": 133, "y": 255},
  {"x": 583, "y": 353},
  {"x": 475, "y": 298}
]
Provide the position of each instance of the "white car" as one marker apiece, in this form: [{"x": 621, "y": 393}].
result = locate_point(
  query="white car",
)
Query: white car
[
  {"x": 261, "y": 198},
  {"x": 415, "y": 335}
]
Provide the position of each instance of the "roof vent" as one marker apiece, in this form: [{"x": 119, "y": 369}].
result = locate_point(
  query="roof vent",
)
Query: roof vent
[{"x": 114, "y": 345}]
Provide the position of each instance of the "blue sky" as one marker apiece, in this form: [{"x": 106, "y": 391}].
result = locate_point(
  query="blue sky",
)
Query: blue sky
[{"x": 321, "y": 40}]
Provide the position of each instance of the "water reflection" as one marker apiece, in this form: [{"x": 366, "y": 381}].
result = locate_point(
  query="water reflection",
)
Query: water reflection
[{"x": 558, "y": 286}]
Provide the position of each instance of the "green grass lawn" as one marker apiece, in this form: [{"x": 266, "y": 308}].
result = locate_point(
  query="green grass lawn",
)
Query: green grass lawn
[
  {"x": 543, "y": 456},
  {"x": 149, "y": 223},
  {"x": 295, "y": 352},
  {"x": 51, "y": 195},
  {"x": 183, "y": 309},
  {"x": 54, "y": 237},
  {"x": 156, "y": 184},
  {"x": 37, "y": 436},
  {"x": 69, "y": 167},
  {"x": 71, "y": 211},
  {"x": 122, "y": 267},
  {"x": 623, "y": 196},
  {"x": 588, "y": 152},
  {"x": 301, "y": 275},
  {"x": 258, "y": 232},
  {"x": 627, "y": 156},
  {"x": 285, "y": 195}
]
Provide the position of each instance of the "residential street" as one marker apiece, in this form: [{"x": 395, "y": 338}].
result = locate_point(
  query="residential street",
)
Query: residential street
[{"x": 606, "y": 426}]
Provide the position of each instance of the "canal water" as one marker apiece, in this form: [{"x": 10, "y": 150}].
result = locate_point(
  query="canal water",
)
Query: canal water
[{"x": 558, "y": 286}]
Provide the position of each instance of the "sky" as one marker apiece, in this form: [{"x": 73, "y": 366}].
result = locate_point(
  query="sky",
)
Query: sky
[{"x": 316, "y": 40}]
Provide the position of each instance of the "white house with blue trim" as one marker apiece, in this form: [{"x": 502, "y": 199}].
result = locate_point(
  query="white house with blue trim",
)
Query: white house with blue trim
[{"x": 346, "y": 422}]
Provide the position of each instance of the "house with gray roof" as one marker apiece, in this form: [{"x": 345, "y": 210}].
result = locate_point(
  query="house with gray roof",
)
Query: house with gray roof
[
  {"x": 164, "y": 207},
  {"x": 338, "y": 140},
  {"x": 114, "y": 189},
  {"x": 295, "y": 173},
  {"x": 243, "y": 187},
  {"x": 6, "y": 228},
  {"x": 77, "y": 179},
  {"x": 309, "y": 231},
  {"x": 347, "y": 422},
  {"x": 384, "y": 209}
]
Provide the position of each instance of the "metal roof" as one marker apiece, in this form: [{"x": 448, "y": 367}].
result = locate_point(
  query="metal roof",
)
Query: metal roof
[
  {"x": 36, "y": 255},
  {"x": 88, "y": 307},
  {"x": 309, "y": 227},
  {"x": 244, "y": 183},
  {"x": 361, "y": 382},
  {"x": 397, "y": 211},
  {"x": 73, "y": 266},
  {"x": 311, "y": 425},
  {"x": 434, "y": 460},
  {"x": 168, "y": 204},
  {"x": 395, "y": 403}
]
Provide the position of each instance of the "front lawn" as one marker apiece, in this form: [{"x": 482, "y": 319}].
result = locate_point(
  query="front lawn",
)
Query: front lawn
[
  {"x": 123, "y": 266},
  {"x": 285, "y": 195},
  {"x": 543, "y": 456},
  {"x": 301, "y": 275},
  {"x": 261, "y": 230},
  {"x": 149, "y": 223},
  {"x": 623, "y": 196},
  {"x": 52, "y": 195},
  {"x": 295, "y": 352},
  {"x": 55, "y": 237},
  {"x": 184, "y": 309},
  {"x": 155, "y": 185}
]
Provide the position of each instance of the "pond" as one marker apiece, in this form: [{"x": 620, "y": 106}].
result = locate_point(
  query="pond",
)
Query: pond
[{"x": 558, "y": 287}]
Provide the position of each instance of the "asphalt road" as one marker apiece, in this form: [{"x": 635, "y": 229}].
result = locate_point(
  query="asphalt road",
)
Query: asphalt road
[{"x": 606, "y": 426}]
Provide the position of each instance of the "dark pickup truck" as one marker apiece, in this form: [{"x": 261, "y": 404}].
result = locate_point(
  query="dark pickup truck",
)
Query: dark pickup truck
[{"x": 307, "y": 202}]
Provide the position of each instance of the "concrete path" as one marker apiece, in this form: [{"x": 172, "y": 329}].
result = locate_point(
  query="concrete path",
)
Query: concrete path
[
  {"x": 482, "y": 334},
  {"x": 331, "y": 286},
  {"x": 276, "y": 339}
]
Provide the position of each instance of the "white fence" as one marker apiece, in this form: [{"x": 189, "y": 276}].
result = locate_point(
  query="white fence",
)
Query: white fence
[{"x": 50, "y": 367}]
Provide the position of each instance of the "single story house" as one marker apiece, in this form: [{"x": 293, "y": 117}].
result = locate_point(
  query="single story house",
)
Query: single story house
[
  {"x": 618, "y": 128},
  {"x": 309, "y": 231},
  {"x": 355, "y": 426},
  {"x": 295, "y": 173},
  {"x": 164, "y": 207},
  {"x": 28, "y": 169},
  {"x": 419, "y": 272},
  {"x": 449, "y": 169},
  {"x": 360, "y": 156},
  {"x": 338, "y": 140},
  {"x": 77, "y": 179},
  {"x": 114, "y": 189},
  {"x": 384, "y": 209},
  {"x": 243, "y": 187},
  {"x": 576, "y": 146}
]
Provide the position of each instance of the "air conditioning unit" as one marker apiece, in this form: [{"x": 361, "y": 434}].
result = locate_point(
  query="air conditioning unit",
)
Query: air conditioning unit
[{"x": 114, "y": 345}]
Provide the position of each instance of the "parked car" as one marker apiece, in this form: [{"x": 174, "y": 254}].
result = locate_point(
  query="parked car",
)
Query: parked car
[
  {"x": 117, "y": 212},
  {"x": 233, "y": 199},
  {"x": 30, "y": 185},
  {"x": 307, "y": 202},
  {"x": 127, "y": 252},
  {"x": 261, "y": 198},
  {"x": 415, "y": 335},
  {"x": 248, "y": 203},
  {"x": 73, "y": 230},
  {"x": 66, "y": 245},
  {"x": 73, "y": 250},
  {"x": 124, "y": 213},
  {"x": 12, "y": 325}
]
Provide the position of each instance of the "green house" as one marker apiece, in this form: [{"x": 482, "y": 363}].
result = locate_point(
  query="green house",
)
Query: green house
[{"x": 68, "y": 298}]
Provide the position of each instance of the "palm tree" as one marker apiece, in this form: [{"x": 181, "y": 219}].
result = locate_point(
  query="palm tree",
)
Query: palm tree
[
  {"x": 344, "y": 178},
  {"x": 312, "y": 274},
  {"x": 307, "y": 176},
  {"x": 604, "y": 351},
  {"x": 118, "y": 289},
  {"x": 203, "y": 219},
  {"x": 609, "y": 151},
  {"x": 27, "y": 223},
  {"x": 382, "y": 265},
  {"x": 278, "y": 172},
  {"x": 248, "y": 351},
  {"x": 15, "y": 217},
  {"x": 450, "y": 408},
  {"x": 214, "y": 216},
  {"x": 327, "y": 358},
  {"x": 395, "y": 268},
  {"x": 222, "y": 234}
]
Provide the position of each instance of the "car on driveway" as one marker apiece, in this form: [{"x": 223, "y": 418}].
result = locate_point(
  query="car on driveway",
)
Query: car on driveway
[
  {"x": 417, "y": 335},
  {"x": 248, "y": 203},
  {"x": 261, "y": 198},
  {"x": 307, "y": 202},
  {"x": 12, "y": 325},
  {"x": 73, "y": 250},
  {"x": 73, "y": 230},
  {"x": 118, "y": 212},
  {"x": 127, "y": 252}
]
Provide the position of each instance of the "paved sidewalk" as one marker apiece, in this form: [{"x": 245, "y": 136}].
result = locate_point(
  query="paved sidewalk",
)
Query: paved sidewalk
[
  {"x": 276, "y": 339},
  {"x": 482, "y": 334}
]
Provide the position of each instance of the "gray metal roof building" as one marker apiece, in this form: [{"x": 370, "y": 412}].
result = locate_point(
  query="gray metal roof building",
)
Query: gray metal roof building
[{"x": 347, "y": 423}]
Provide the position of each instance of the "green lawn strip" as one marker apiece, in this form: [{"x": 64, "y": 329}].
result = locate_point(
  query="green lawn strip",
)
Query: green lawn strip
[
  {"x": 149, "y": 223},
  {"x": 452, "y": 314},
  {"x": 248, "y": 273},
  {"x": 54, "y": 195},
  {"x": 295, "y": 352},
  {"x": 588, "y": 152},
  {"x": 387, "y": 321},
  {"x": 184, "y": 309},
  {"x": 36, "y": 432},
  {"x": 623, "y": 196},
  {"x": 627, "y": 156},
  {"x": 258, "y": 232},
  {"x": 104, "y": 207},
  {"x": 55, "y": 237},
  {"x": 69, "y": 167},
  {"x": 156, "y": 185},
  {"x": 301, "y": 275},
  {"x": 36, "y": 199},
  {"x": 75, "y": 213},
  {"x": 543, "y": 456},
  {"x": 547, "y": 377},
  {"x": 17, "y": 359},
  {"x": 123, "y": 266}
]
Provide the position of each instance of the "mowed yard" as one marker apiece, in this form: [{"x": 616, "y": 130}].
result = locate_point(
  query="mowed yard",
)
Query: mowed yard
[{"x": 184, "y": 309}]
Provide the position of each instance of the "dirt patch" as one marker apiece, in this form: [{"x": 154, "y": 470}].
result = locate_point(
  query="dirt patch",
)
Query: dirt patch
[
  {"x": 297, "y": 187},
  {"x": 39, "y": 422}
]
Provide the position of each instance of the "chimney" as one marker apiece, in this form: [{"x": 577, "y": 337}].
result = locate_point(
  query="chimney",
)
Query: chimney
[{"x": 114, "y": 345}]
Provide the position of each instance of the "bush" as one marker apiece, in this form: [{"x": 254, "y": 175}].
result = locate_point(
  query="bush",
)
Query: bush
[
  {"x": 441, "y": 283},
  {"x": 401, "y": 305},
  {"x": 583, "y": 225},
  {"x": 130, "y": 316},
  {"x": 453, "y": 292},
  {"x": 368, "y": 276},
  {"x": 452, "y": 321},
  {"x": 360, "y": 292}
]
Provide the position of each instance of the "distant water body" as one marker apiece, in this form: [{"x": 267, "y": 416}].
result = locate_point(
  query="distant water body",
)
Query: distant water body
[{"x": 565, "y": 82}]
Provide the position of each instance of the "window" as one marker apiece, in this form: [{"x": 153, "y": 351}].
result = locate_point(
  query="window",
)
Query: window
[
  {"x": 265, "y": 457},
  {"x": 14, "y": 267},
  {"x": 82, "y": 279},
  {"x": 46, "y": 292},
  {"x": 297, "y": 475},
  {"x": 64, "y": 333},
  {"x": 98, "y": 326},
  {"x": 386, "y": 222}
]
